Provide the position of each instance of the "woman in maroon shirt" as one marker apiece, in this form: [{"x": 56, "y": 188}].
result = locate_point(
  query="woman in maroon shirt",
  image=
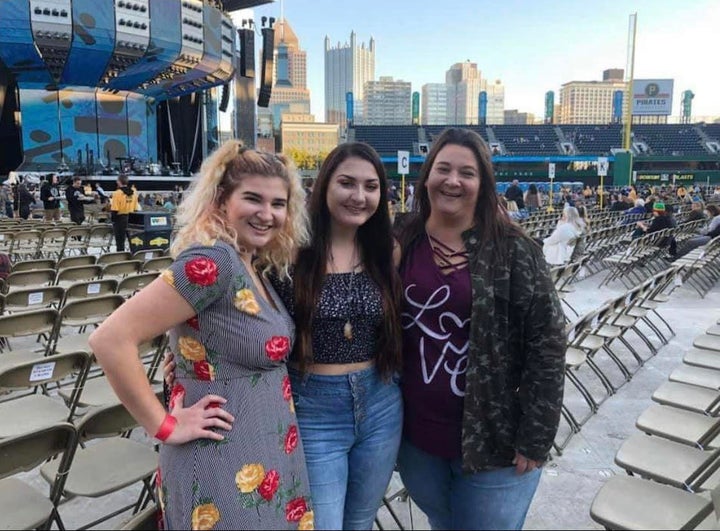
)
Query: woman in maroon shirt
[{"x": 483, "y": 347}]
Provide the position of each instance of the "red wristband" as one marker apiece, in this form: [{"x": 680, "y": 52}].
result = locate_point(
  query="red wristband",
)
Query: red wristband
[{"x": 166, "y": 428}]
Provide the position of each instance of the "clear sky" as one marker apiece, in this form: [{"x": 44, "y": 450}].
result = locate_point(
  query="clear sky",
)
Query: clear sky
[{"x": 531, "y": 45}]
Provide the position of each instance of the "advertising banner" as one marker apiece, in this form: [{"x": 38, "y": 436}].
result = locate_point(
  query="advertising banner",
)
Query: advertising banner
[{"x": 652, "y": 97}]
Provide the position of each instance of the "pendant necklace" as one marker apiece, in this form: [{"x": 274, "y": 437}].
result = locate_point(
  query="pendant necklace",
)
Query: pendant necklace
[{"x": 347, "y": 328}]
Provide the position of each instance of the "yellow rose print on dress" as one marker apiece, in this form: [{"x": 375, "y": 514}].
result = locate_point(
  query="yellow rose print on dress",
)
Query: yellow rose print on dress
[
  {"x": 168, "y": 276},
  {"x": 191, "y": 349},
  {"x": 307, "y": 522},
  {"x": 245, "y": 302},
  {"x": 249, "y": 477},
  {"x": 205, "y": 516}
]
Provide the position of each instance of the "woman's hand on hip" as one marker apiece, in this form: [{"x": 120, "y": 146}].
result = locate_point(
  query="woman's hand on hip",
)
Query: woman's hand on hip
[{"x": 196, "y": 421}]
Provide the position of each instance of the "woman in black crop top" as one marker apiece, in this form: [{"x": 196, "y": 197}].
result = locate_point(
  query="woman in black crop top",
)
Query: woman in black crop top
[{"x": 344, "y": 299}]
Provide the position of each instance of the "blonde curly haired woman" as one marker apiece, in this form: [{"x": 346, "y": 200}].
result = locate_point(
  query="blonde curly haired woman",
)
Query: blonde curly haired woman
[{"x": 230, "y": 335}]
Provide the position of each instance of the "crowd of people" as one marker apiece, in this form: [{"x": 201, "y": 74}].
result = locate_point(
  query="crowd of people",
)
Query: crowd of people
[{"x": 315, "y": 349}]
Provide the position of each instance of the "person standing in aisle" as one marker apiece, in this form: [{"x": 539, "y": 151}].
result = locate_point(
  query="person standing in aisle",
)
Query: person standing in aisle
[
  {"x": 124, "y": 200},
  {"x": 50, "y": 196},
  {"x": 76, "y": 201}
]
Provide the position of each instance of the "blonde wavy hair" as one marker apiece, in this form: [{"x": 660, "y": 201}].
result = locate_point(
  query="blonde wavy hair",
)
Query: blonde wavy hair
[{"x": 201, "y": 221}]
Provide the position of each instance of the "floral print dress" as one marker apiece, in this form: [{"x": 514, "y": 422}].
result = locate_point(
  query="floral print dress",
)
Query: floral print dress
[{"x": 235, "y": 346}]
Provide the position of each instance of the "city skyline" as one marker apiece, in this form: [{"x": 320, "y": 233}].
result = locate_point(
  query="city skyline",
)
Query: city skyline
[{"x": 540, "y": 47}]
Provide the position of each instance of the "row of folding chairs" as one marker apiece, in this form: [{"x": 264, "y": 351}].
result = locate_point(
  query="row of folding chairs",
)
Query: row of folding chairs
[
  {"x": 67, "y": 276},
  {"x": 55, "y": 242},
  {"x": 37, "y": 297},
  {"x": 32, "y": 338},
  {"x": 605, "y": 345},
  {"x": 50, "y": 384},
  {"x": 605, "y": 241},
  {"x": 644, "y": 255},
  {"x": 673, "y": 462},
  {"x": 151, "y": 260},
  {"x": 90, "y": 458},
  {"x": 563, "y": 277},
  {"x": 700, "y": 268},
  {"x": 88, "y": 259}
]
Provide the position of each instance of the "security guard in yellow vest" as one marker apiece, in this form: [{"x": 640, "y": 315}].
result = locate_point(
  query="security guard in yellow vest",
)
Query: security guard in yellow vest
[{"x": 123, "y": 201}]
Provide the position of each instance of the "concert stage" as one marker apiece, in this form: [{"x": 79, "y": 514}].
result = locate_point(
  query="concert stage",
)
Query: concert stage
[{"x": 95, "y": 80}]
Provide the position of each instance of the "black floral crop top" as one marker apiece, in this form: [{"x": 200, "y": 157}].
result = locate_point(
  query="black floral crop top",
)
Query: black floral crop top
[{"x": 347, "y": 319}]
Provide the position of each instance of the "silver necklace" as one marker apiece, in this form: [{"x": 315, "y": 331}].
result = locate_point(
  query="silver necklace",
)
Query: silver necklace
[{"x": 347, "y": 329}]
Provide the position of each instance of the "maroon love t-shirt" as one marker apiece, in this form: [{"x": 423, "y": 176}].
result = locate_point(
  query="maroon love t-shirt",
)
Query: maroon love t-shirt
[{"x": 436, "y": 338}]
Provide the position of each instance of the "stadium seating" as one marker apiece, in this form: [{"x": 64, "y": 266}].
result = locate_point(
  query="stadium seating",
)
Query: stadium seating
[
  {"x": 593, "y": 139},
  {"x": 387, "y": 140},
  {"x": 675, "y": 140},
  {"x": 670, "y": 139},
  {"x": 527, "y": 140}
]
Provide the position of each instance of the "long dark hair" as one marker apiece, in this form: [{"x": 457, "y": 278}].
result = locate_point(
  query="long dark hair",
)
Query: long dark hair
[
  {"x": 491, "y": 224},
  {"x": 376, "y": 249}
]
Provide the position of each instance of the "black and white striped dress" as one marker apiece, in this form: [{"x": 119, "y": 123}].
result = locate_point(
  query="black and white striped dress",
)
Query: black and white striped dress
[{"x": 236, "y": 347}]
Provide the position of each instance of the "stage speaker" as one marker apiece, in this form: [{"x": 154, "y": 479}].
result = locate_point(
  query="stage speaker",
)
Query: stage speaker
[
  {"x": 267, "y": 67},
  {"x": 247, "y": 52},
  {"x": 224, "y": 97}
]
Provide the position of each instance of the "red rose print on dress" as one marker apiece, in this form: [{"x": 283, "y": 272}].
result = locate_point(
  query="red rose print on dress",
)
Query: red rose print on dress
[
  {"x": 269, "y": 485},
  {"x": 286, "y": 390},
  {"x": 291, "y": 439},
  {"x": 204, "y": 371},
  {"x": 193, "y": 322},
  {"x": 177, "y": 390},
  {"x": 295, "y": 509},
  {"x": 201, "y": 271},
  {"x": 277, "y": 347}
]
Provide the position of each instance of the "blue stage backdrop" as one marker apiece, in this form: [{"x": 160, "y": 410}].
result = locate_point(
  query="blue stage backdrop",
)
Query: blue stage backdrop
[
  {"x": 41, "y": 137},
  {"x": 78, "y": 124}
]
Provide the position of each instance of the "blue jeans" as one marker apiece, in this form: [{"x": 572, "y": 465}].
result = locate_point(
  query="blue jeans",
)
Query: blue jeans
[
  {"x": 350, "y": 427},
  {"x": 451, "y": 499}
]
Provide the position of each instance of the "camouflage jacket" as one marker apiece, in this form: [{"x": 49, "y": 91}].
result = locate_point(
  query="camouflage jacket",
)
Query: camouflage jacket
[{"x": 515, "y": 377}]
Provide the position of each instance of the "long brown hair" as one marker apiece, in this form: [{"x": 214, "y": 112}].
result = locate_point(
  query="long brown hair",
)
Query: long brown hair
[
  {"x": 376, "y": 249},
  {"x": 490, "y": 222}
]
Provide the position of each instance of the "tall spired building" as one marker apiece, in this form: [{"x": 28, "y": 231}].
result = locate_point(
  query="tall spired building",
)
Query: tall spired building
[
  {"x": 289, "y": 74},
  {"x": 347, "y": 68}
]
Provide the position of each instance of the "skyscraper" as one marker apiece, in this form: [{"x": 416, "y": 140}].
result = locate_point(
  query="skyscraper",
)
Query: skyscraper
[
  {"x": 463, "y": 91},
  {"x": 387, "y": 102},
  {"x": 347, "y": 68},
  {"x": 589, "y": 102},
  {"x": 434, "y": 104},
  {"x": 289, "y": 73},
  {"x": 495, "y": 101}
]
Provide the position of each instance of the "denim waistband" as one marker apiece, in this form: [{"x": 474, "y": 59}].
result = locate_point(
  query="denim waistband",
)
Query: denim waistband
[{"x": 364, "y": 377}]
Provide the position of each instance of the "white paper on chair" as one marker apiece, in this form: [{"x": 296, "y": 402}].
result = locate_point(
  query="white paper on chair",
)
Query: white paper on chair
[
  {"x": 93, "y": 289},
  {"x": 42, "y": 371},
  {"x": 2, "y": 237},
  {"x": 35, "y": 298},
  {"x": 678, "y": 280},
  {"x": 149, "y": 255}
]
